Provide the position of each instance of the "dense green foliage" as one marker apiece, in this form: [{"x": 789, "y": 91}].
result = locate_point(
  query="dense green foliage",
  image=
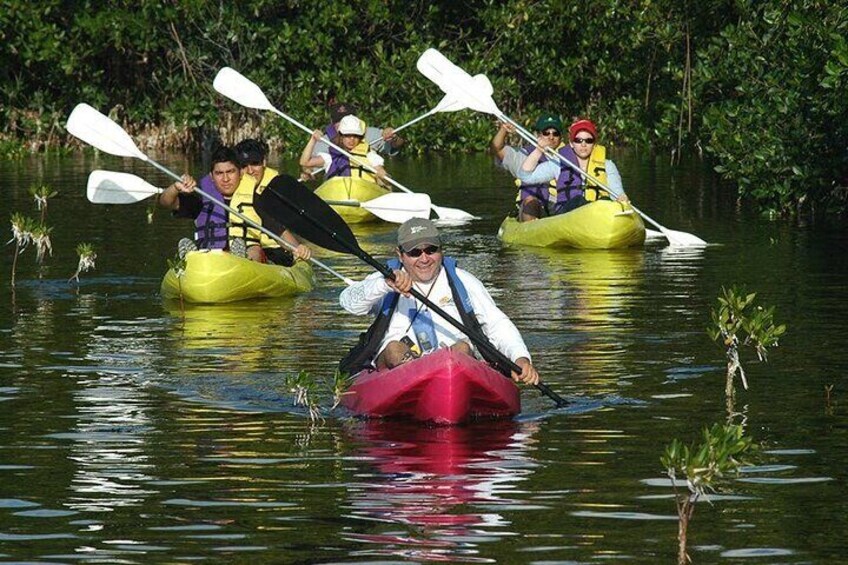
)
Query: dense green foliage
[{"x": 759, "y": 85}]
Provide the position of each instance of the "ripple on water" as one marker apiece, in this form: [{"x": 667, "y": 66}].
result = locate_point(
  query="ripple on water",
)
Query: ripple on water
[
  {"x": 782, "y": 481},
  {"x": 757, "y": 552},
  {"x": 639, "y": 516}
]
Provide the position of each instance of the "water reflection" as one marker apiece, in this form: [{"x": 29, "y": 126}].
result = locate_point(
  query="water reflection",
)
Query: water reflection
[
  {"x": 234, "y": 336},
  {"x": 580, "y": 309},
  {"x": 446, "y": 485}
]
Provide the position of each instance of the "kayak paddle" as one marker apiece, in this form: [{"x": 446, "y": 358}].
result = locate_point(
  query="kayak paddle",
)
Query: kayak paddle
[
  {"x": 101, "y": 132},
  {"x": 454, "y": 80},
  {"x": 396, "y": 207},
  {"x": 288, "y": 202},
  {"x": 448, "y": 103},
  {"x": 242, "y": 90},
  {"x": 109, "y": 187}
]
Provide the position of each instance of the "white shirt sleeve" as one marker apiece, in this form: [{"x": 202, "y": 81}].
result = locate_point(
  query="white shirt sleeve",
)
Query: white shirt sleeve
[
  {"x": 327, "y": 161},
  {"x": 375, "y": 160},
  {"x": 614, "y": 179},
  {"x": 365, "y": 296},
  {"x": 544, "y": 172},
  {"x": 496, "y": 325}
]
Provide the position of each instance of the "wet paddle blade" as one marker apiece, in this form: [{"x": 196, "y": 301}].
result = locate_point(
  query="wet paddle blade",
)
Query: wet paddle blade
[
  {"x": 289, "y": 204},
  {"x": 394, "y": 207},
  {"x": 101, "y": 132},
  {"x": 241, "y": 89},
  {"x": 683, "y": 239},
  {"x": 398, "y": 207},
  {"x": 109, "y": 187}
]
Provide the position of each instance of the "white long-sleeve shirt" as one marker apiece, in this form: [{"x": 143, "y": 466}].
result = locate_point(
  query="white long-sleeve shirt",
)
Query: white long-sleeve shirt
[{"x": 366, "y": 297}]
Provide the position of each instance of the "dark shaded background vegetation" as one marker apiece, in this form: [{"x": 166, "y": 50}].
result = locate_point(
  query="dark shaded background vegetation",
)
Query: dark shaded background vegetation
[{"x": 756, "y": 85}]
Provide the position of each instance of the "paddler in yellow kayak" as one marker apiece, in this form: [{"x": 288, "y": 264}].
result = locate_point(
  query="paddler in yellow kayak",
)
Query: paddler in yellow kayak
[{"x": 550, "y": 188}]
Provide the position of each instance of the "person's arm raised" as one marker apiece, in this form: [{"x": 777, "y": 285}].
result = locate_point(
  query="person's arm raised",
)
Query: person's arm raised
[{"x": 169, "y": 199}]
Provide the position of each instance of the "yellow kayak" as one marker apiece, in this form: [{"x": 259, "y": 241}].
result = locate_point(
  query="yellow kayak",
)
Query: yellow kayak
[
  {"x": 351, "y": 188},
  {"x": 216, "y": 276},
  {"x": 602, "y": 224}
]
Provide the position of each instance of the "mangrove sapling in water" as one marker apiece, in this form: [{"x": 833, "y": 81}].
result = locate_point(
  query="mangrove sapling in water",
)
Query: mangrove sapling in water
[
  {"x": 22, "y": 234},
  {"x": 702, "y": 466},
  {"x": 41, "y": 193},
  {"x": 43, "y": 244},
  {"x": 303, "y": 387},
  {"x": 339, "y": 385},
  {"x": 737, "y": 321},
  {"x": 87, "y": 256}
]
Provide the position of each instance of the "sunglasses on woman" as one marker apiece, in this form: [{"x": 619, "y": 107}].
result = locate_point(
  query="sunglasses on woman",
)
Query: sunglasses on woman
[
  {"x": 429, "y": 250},
  {"x": 584, "y": 140}
]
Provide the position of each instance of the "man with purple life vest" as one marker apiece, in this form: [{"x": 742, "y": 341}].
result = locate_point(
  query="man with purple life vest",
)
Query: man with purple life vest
[
  {"x": 212, "y": 222},
  {"x": 566, "y": 188}
]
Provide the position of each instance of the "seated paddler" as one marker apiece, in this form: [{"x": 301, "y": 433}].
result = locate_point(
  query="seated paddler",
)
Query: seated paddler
[
  {"x": 405, "y": 328},
  {"x": 573, "y": 187}
]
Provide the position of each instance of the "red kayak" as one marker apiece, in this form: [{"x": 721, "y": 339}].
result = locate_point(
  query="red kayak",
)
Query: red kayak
[{"x": 443, "y": 387}]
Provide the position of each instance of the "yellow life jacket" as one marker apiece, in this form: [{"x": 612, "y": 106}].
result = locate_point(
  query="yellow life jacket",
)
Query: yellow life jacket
[
  {"x": 356, "y": 170},
  {"x": 597, "y": 167},
  {"x": 242, "y": 201}
]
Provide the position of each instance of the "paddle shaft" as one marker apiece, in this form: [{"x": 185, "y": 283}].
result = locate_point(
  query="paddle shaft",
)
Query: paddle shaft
[
  {"x": 250, "y": 222},
  {"x": 407, "y": 124},
  {"x": 504, "y": 365}
]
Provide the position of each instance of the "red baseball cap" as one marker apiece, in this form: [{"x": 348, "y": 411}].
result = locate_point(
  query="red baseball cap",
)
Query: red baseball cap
[{"x": 581, "y": 125}]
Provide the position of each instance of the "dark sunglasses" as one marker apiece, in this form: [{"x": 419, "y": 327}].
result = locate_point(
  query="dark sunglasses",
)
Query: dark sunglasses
[
  {"x": 584, "y": 140},
  {"x": 550, "y": 132},
  {"x": 429, "y": 250}
]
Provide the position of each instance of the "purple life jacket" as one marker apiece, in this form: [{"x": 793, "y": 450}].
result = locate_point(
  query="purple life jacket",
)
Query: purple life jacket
[
  {"x": 570, "y": 183},
  {"x": 539, "y": 190},
  {"x": 210, "y": 226},
  {"x": 340, "y": 165}
]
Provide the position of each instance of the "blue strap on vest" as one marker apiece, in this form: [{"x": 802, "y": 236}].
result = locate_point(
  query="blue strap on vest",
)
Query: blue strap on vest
[{"x": 450, "y": 267}]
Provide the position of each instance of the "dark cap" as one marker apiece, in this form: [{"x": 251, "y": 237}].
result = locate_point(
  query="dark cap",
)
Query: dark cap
[
  {"x": 417, "y": 231},
  {"x": 340, "y": 110},
  {"x": 250, "y": 151},
  {"x": 546, "y": 121}
]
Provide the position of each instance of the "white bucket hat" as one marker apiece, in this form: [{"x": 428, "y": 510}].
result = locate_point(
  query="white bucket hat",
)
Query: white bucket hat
[{"x": 351, "y": 125}]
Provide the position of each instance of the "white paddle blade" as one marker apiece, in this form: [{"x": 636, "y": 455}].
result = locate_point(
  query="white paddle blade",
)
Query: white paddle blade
[
  {"x": 241, "y": 89},
  {"x": 101, "y": 132},
  {"x": 453, "y": 215},
  {"x": 448, "y": 104},
  {"x": 108, "y": 187},
  {"x": 683, "y": 239},
  {"x": 484, "y": 85},
  {"x": 436, "y": 67},
  {"x": 470, "y": 92},
  {"x": 398, "y": 207}
]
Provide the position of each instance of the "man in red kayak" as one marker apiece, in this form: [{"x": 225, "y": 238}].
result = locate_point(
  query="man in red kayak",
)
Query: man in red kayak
[{"x": 406, "y": 329}]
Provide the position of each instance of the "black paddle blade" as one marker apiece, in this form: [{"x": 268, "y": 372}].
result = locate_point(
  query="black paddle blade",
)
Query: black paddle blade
[{"x": 288, "y": 203}]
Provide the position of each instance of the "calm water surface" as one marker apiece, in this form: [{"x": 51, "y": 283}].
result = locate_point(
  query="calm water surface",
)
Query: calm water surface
[{"x": 134, "y": 433}]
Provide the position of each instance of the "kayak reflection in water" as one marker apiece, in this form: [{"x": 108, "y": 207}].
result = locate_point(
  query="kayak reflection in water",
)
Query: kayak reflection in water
[
  {"x": 406, "y": 329},
  {"x": 445, "y": 485}
]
